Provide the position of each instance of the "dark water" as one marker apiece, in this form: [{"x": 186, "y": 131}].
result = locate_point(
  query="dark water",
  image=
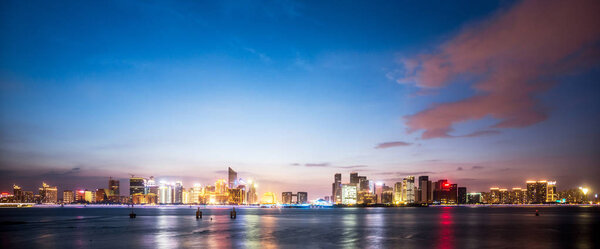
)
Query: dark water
[{"x": 434, "y": 227}]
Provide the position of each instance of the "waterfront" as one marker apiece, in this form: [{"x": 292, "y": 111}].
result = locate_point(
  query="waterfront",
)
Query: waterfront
[{"x": 433, "y": 227}]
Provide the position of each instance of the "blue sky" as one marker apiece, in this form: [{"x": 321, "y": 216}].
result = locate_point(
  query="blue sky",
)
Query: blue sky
[{"x": 184, "y": 90}]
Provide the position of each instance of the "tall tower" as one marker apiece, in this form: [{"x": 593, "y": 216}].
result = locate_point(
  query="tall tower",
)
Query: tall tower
[
  {"x": 336, "y": 196},
  {"x": 232, "y": 183}
]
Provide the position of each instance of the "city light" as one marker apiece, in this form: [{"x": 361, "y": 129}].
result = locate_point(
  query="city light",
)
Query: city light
[{"x": 584, "y": 190}]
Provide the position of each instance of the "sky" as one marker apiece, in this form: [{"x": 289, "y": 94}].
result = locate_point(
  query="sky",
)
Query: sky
[{"x": 288, "y": 93}]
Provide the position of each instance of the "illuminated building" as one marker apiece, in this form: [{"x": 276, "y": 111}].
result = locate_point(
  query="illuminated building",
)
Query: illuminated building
[
  {"x": 286, "y": 198},
  {"x": 354, "y": 178},
  {"x": 151, "y": 187},
  {"x": 379, "y": 192},
  {"x": 444, "y": 192},
  {"x": 348, "y": 194},
  {"x": 495, "y": 195},
  {"x": 101, "y": 195},
  {"x": 195, "y": 193},
  {"x": 89, "y": 196},
  {"x": 408, "y": 189},
  {"x": 18, "y": 193},
  {"x": 536, "y": 191},
  {"x": 48, "y": 194},
  {"x": 80, "y": 196},
  {"x": 474, "y": 198},
  {"x": 113, "y": 190},
  {"x": 232, "y": 176},
  {"x": 68, "y": 196},
  {"x": 137, "y": 185},
  {"x": 268, "y": 198},
  {"x": 387, "y": 196},
  {"x": 165, "y": 193},
  {"x": 252, "y": 196},
  {"x": 425, "y": 192},
  {"x": 551, "y": 193},
  {"x": 221, "y": 186},
  {"x": 236, "y": 196},
  {"x": 302, "y": 198},
  {"x": 143, "y": 199},
  {"x": 185, "y": 196},
  {"x": 397, "y": 193},
  {"x": 178, "y": 193},
  {"x": 336, "y": 195},
  {"x": 504, "y": 196},
  {"x": 462, "y": 195}
]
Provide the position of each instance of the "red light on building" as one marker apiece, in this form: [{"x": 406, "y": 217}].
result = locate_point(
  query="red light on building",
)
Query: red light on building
[{"x": 447, "y": 185}]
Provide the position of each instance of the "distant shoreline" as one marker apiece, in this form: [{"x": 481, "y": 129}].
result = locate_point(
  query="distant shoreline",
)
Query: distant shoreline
[{"x": 194, "y": 206}]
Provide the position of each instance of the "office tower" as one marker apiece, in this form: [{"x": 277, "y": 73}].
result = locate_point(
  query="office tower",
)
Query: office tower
[
  {"x": 232, "y": 177},
  {"x": 462, "y": 195},
  {"x": 354, "y": 178},
  {"x": 336, "y": 195},
  {"x": 89, "y": 196},
  {"x": 441, "y": 193},
  {"x": 551, "y": 193},
  {"x": 302, "y": 198},
  {"x": 68, "y": 196},
  {"x": 151, "y": 187},
  {"x": 101, "y": 195},
  {"x": 48, "y": 194},
  {"x": 252, "y": 197},
  {"x": 536, "y": 191},
  {"x": 349, "y": 194},
  {"x": 136, "y": 185},
  {"x": 178, "y": 193},
  {"x": 165, "y": 193},
  {"x": 18, "y": 193},
  {"x": 495, "y": 195},
  {"x": 387, "y": 195},
  {"x": 363, "y": 184},
  {"x": 408, "y": 189},
  {"x": 221, "y": 186},
  {"x": 195, "y": 193},
  {"x": 425, "y": 191},
  {"x": 474, "y": 198},
  {"x": 286, "y": 198},
  {"x": 397, "y": 193},
  {"x": 113, "y": 190},
  {"x": 453, "y": 194}
]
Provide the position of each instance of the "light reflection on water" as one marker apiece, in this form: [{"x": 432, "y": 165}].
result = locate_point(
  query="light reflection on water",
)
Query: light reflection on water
[{"x": 433, "y": 227}]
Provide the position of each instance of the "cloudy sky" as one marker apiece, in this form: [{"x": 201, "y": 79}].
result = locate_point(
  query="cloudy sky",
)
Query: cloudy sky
[{"x": 482, "y": 93}]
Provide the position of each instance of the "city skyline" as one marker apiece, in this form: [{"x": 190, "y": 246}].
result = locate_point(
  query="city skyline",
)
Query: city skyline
[{"x": 473, "y": 92}]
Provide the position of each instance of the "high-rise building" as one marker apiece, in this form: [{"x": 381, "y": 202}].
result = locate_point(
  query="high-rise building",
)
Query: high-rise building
[
  {"x": 195, "y": 193},
  {"x": 495, "y": 195},
  {"x": 504, "y": 196},
  {"x": 462, "y": 195},
  {"x": 221, "y": 186},
  {"x": 89, "y": 196},
  {"x": 551, "y": 193},
  {"x": 536, "y": 191},
  {"x": 68, "y": 196},
  {"x": 113, "y": 190},
  {"x": 18, "y": 193},
  {"x": 379, "y": 192},
  {"x": 252, "y": 196},
  {"x": 48, "y": 194},
  {"x": 408, "y": 189},
  {"x": 235, "y": 196},
  {"x": 474, "y": 198},
  {"x": 286, "y": 198},
  {"x": 425, "y": 193},
  {"x": 398, "y": 193},
  {"x": 302, "y": 198},
  {"x": 101, "y": 195},
  {"x": 354, "y": 178},
  {"x": 137, "y": 185},
  {"x": 349, "y": 194},
  {"x": 444, "y": 192},
  {"x": 336, "y": 194},
  {"x": 232, "y": 177},
  {"x": 178, "y": 193},
  {"x": 165, "y": 193},
  {"x": 269, "y": 198}
]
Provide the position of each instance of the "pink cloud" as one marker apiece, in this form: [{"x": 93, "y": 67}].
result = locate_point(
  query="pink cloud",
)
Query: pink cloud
[
  {"x": 511, "y": 57},
  {"x": 391, "y": 144}
]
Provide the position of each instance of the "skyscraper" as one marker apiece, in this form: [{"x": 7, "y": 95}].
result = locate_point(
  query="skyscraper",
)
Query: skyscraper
[
  {"x": 536, "y": 191},
  {"x": 113, "y": 190},
  {"x": 336, "y": 195},
  {"x": 68, "y": 196},
  {"x": 48, "y": 194},
  {"x": 408, "y": 189},
  {"x": 462, "y": 195},
  {"x": 302, "y": 198},
  {"x": 165, "y": 194},
  {"x": 398, "y": 193},
  {"x": 232, "y": 177},
  {"x": 349, "y": 194},
  {"x": 252, "y": 197},
  {"x": 425, "y": 193},
  {"x": 178, "y": 193},
  {"x": 354, "y": 178},
  {"x": 286, "y": 198},
  {"x": 551, "y": 193},
  {"x": 136, "y": 185}
]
